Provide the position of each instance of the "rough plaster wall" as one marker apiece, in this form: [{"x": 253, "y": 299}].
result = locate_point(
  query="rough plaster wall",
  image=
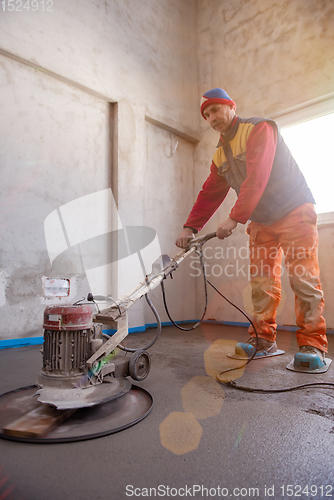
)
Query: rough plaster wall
[
  {"x": 269, "y": 56},
  {"x": 54, "y": 149},
  {"x": 165, "y": 206},
  {"x": 142, "y": 50},
  {"x": 138, "y": 54}
]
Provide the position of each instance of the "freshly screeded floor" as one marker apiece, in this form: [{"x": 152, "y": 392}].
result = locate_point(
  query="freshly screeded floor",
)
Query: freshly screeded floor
[{"x": 202, "y": 439}]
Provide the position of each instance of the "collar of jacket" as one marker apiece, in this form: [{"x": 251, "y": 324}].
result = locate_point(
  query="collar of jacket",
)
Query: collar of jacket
[{"x": 224, "y": 139}]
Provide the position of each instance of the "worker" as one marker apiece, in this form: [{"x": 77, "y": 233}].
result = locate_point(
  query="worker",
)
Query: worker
[{"x": 276, "y": 202}]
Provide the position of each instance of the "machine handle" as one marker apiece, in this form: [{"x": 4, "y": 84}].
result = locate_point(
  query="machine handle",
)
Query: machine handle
[
  {"x": 104, "y": 298},
  {"x": 209, "y": 236},
  {"x": 202, "y": 239}
]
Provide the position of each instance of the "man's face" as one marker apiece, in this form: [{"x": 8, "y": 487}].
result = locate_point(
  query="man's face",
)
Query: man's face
[{"x": 219, "y": 116}]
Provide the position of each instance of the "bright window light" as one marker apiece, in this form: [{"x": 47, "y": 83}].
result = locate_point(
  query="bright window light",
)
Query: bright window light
[{"x": 310, "y": 143}]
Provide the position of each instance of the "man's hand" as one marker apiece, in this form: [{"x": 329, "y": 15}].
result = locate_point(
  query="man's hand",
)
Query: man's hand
[
  {"x": 225, "y": 229},
  {"x": 184, "y": 237}
]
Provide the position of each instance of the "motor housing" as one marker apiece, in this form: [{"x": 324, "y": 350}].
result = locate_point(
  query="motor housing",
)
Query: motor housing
[{"x": 70, "y": 339}]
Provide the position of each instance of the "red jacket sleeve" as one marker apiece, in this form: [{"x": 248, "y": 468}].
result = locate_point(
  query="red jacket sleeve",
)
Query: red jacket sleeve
[
  {"x": 261, "y": 149},
  {"x": 209, "y": 199}
]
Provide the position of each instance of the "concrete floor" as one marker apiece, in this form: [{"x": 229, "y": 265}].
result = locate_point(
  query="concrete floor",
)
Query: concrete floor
[{"x": 212, "y": 439}]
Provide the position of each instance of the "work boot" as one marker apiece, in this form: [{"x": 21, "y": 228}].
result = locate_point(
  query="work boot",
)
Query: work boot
[
  {"x": 264, "y": 347},
  {"x": 310, "y": 349}
]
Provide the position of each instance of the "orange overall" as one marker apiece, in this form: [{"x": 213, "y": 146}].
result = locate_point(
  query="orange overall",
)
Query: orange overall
[{"x": 296, "y": 236}]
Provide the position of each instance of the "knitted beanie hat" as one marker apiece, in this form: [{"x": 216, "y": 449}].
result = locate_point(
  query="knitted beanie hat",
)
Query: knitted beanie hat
[{"x": 218, "y": 96}]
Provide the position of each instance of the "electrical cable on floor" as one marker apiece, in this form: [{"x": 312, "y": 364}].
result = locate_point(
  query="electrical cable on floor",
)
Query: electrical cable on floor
[
  {"x": 251, "y": 322},
  {"x": 200, "y": 253},
  {"x": 288, "y": 389},
  {"x": 231, "y": 383},
  {"x": 228, "y": 382}
]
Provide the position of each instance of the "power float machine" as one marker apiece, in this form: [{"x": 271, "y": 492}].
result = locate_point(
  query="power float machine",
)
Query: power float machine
[{"x": 83, "y": 389}]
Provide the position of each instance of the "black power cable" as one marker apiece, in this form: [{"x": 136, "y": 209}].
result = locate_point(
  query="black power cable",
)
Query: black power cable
[
  {"x": 206, "y": 280},
  {"x": 200, "y": 253},
  {"x": 206, "y": 299},
  {"x": 251, "y": 322},
  {"x": 230, "y": 382},
  {"x": 157, "y": 334},
  {"x": 288, "y": 389},
  {"x": 92, "y": 298}
]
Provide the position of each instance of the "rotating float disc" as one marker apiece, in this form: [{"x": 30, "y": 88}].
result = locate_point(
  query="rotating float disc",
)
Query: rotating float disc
[
  {"x": 65, "y": 399},
  {"x": 82, "y": 424}
]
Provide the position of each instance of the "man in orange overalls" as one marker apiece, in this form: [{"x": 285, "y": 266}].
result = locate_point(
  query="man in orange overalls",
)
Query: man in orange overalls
[{"x": 252, "y": 158}]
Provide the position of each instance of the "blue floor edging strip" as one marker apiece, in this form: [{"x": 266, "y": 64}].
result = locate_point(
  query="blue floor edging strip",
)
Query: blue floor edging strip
[
  {"x": 6, "y": 344},
  {"x": 137, "y": 329},
  {"x": 9, "y": 343},
  {"x": 246, "y": 325}
]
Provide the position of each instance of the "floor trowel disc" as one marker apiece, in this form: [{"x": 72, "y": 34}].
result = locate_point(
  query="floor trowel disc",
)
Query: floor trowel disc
[{"x": 82, "y": 424}]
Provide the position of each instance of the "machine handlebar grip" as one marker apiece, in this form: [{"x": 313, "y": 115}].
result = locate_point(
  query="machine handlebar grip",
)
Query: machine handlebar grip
[
  {"x": 203, "y": 239},
  {"x": 91, "y": 297},
  {"x": 209, "y": 236}
]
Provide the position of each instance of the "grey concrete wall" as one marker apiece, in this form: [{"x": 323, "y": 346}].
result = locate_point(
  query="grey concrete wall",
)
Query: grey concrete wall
[
  {"x": 54, "y": 149},
  {"x": 269, "y": 56},
  {"x": 60, "y": 70},
  {"x": 141, "y": 51}
]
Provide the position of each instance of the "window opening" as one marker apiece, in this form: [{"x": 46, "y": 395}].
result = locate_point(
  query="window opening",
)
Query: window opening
[{"x": 310, "y": 144}]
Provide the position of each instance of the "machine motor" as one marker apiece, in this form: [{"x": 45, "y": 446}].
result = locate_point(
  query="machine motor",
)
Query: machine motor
[{"x": 70, "y": 339}]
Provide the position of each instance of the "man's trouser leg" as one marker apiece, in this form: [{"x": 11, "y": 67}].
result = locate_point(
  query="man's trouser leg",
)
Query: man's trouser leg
[
  {"x": 298, "y": 235},
  {"x": 265, "y": 279}
]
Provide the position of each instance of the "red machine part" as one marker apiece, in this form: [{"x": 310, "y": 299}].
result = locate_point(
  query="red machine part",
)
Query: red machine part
[{"x": 68, "y": 317}]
